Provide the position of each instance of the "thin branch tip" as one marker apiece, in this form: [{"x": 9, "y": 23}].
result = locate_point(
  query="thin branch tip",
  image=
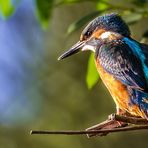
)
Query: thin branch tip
[
  {"x": 31, "y": 132},
  {"x": 102, "y": 129}
]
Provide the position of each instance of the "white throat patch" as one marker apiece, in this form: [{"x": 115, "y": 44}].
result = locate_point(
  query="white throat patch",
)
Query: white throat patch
[
  {"x": 88, "y": 47},
  {"x": 106, "y": 35}
]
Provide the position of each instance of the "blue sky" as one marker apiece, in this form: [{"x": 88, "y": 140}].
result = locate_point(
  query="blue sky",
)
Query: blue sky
[{"x": 21, "y": 48}]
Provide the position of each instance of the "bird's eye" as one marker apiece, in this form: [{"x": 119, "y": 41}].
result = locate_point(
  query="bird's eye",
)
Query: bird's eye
[{"x": 86, "y": 35}]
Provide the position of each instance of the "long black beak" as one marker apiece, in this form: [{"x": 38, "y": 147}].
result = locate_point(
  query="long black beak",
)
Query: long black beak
[{"x": 74, "y": 49}]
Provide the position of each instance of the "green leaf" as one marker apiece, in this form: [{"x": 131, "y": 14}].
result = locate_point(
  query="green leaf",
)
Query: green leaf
[
  {"x": 78, "y": 24},
  {"x": 102, "y": 6},
  {"x": 92, "y": 74},
  {"x": 6, "y": 8},
  {"x": 44, "y": 11}
]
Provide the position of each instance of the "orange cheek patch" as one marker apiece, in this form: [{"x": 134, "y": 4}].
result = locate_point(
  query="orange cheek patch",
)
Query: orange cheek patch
[{"x": 97, "y": 33}]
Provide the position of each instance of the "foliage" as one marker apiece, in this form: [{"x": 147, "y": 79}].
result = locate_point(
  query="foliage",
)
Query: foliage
[
  {"x": 137, "y": 10},
  {"x": 78, "y": 24},
  {"x": 6, "y": 8},
  {"x": 44, "y": 11},
  {"x": 92, "y": 75}
]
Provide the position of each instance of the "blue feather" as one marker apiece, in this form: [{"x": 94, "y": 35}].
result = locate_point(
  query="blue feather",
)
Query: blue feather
[
  {"x": 122, "y": 64},
  {"x": 139, "y": 53},
  {"x": 140, "y": 99}
]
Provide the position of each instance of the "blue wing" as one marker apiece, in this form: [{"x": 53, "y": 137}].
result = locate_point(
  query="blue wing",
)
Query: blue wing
[
  {"x": 141, "y": 52},
  {"x": 118, "y": 59},
  {"x": 127, "y": 60},
  {"x": 141, "y": 97}
]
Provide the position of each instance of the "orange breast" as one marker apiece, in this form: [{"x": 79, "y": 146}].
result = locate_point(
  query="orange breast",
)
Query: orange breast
[{"x": 118, "y": 91}]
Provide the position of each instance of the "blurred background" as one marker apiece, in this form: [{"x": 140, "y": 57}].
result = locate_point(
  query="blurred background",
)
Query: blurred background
[{"x": 39, "y": 92}]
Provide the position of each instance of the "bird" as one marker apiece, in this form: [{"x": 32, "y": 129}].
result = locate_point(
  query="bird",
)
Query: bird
[{"x": 121, "y": 61}]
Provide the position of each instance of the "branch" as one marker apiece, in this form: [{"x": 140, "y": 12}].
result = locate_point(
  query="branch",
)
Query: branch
[
  {"x": 132, "y": 120},
  {"x": 115, "y": 123},
  {"x": 82, "y": 132}
]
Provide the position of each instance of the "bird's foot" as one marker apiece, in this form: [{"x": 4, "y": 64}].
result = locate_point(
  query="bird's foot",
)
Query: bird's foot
[{"x": 110, "y": 123}]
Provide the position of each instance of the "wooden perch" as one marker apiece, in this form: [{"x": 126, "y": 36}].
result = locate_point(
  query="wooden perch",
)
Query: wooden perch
[
  {"x": 115, "y": 123},
  {"x": 106, "y": 125},
  {"x": 82, "y": 132},
  {"x": 132, "y": 120}
]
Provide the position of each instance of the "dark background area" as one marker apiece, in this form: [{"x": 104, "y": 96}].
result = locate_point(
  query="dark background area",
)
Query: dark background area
[{"x": 39, "y": 92}]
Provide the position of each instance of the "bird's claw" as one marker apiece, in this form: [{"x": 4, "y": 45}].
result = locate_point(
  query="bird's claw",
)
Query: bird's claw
[
  {"x": 110, "y": 123},
  {"x": 112, "y": 117}
]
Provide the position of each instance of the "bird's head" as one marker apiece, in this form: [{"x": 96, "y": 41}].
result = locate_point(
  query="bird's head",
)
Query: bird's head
[{"x": 101, "y": 29}]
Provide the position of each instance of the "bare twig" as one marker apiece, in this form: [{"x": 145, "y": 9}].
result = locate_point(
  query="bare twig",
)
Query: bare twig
[
  {"x": 116, "y": 123},
  {"x": 81, "y": 132}
]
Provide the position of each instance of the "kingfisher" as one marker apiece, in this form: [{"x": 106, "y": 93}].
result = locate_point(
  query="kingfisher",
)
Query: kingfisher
[{"x": 121, "y": 61}]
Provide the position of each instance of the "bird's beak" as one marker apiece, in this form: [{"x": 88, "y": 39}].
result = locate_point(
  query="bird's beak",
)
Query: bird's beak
[
  {"x": 74, "y": 49},
  {"x": 80, "y": 46}
]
